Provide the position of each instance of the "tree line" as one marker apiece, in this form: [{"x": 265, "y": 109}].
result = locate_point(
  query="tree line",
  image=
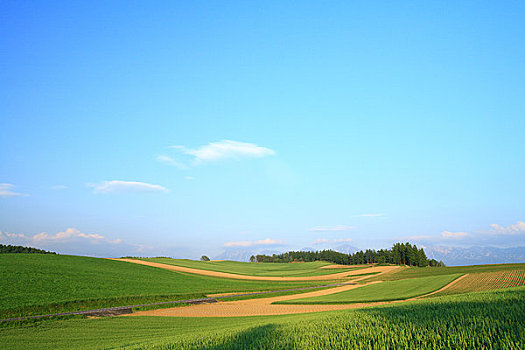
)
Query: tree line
[
  {"x": 399, "y": 254},
  {"x": 9, "y": 249}
]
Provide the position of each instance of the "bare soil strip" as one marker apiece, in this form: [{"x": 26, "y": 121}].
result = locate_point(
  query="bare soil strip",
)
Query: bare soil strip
[
  {"x": 260, "y": 307},
  {"x": 119, "y": 310},
  {"x": 340, "y": 275},
  {"x": 336, "y": 266},
  {"x": 254, "y": 307}
]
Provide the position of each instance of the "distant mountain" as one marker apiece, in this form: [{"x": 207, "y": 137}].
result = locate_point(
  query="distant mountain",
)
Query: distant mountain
[
  {"x": 307, "y": 249},
  {"x": 243, "y": 254},
  {"x": 346, "y": 249},
  {"x": 453, "y": 256},
  {"x": 235, "y": 255}
]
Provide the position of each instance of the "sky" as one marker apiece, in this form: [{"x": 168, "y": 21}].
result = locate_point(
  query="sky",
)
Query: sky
[{"x": 187, "y": 128}]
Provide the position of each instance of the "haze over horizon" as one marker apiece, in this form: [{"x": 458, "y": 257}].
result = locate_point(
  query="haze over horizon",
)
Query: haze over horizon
[{"x": 183, "y": 129}]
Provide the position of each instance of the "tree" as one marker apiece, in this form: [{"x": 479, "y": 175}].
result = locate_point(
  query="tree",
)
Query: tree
[
  {"x": 205, "y": 258},
  {"x": 252, "y": 258},
  {"x": 11, "y": 249},
  {"x": 423, "y": 261},
  {"x": 399, "y": 254}
]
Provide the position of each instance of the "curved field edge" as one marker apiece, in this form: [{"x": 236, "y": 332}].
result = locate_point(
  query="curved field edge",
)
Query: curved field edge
[
  {"x": 475, "y": 320},
  {"x": 385, "y": 291},
  {"x": 35, "y": 284},
  {"x": 303, "y": 269}
]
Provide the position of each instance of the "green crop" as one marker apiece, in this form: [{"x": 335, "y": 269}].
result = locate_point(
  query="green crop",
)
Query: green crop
[
  {"x": 257, "y": 269},
  {"x": 416, "y": 272},
  {"x": 483, "y": 320},
  {"x": 385, "y": 291},
  {"x": 35, "y": 284}
]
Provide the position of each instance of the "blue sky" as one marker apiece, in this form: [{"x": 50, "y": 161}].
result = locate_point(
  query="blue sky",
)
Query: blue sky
[{"x": 186, "y": 128}]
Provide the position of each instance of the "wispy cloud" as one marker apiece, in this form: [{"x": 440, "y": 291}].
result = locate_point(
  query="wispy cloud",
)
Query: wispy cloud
[
  {"x": 454, "y": 235},
  {"x": 68, "y": 235},
  {"x": 59, "y": 187},
  {"x": 170, "y": 161},
  {"x": 444, "y": 236},
  {"x": 337, "y": 240},
  {"x": 5, "y": 235},
  {"x": 517, "y": 228},
  {"x": 73, "y": 241},
  {"x": 72, "y": 233},
  {"x": 261, "y": 242},
  {"x": 370, "y": 215},
  {"x": 343, "y": 240},
  {"x": 420, "y": 237},
  {"x": 188, "y": 178},
  {"x": 213, "y": 152},
  {"x": 117, "y": 186},
  {"x": 226, "y": 149},
  {"x": 331, "y": 228},
  {"x": 8, "y": 190},
  {"x": 496, "y": 235}
]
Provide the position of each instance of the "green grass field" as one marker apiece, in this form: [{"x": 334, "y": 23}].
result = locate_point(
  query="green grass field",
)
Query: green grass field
[
  {"x": 257, "y": 269},
  {"x": 384, "y": 291},
  {"x": 484, "y": 320},
  {"x": 35, "y": 284},
  {"x": 38, "y": 284}
]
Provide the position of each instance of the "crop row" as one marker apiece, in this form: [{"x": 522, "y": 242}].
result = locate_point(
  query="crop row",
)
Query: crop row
[
  {"x": 482, "y": 320},
  {"x": 487, "y": 281},
  {"x": 475, "y": 321}
]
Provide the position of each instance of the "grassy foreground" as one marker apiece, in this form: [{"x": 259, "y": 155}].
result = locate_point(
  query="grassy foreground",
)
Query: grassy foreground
[
  {"x": 34, "y": 284},
  {"x": 385, "y": 291},
  {"x": 484, "y": 320},
  {"x": 257, "y": 269}
]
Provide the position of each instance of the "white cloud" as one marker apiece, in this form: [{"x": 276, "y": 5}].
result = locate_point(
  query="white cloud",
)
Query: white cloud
[
  {"x": 454, "y": 235},
  {"x": 68, "y": 235},
  {"x": 370, "y": 215},
  {"x": 225, "y": 149},
  {"x": 72, "y": 233},
  {"x": 331, "y": 228},
  {"x": 170, "y": 161},
  {"x": 517, "y": 228},
  {"x": 497, "y": 236},
  {"x": 188, "y": 178},
  {"x": 4, "y": 235},
  {"x": 342, "y": 240},
  {"x": 266, "y": 241},
  {"x": 7, "y": 190},
  {"x": 320, "y": 241},
  {"x": 73, "y": 241},
  {"x": 126, "y": 186},
  {"x": 421, "y": 237}
]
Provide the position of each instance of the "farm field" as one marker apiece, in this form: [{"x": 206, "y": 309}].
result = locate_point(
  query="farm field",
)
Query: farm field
[
  {"x": 35, "y": 284},
  {"x": 476, "y": 282},
  {"x": 416, "y": 272},
  {"x": 384, "y": 291},
  {"x": 304, "y": 269},
  {"x": 352, "y": 273},
  {"x": 468, "y": 321},
  {"x": 355, "y": 315}
]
